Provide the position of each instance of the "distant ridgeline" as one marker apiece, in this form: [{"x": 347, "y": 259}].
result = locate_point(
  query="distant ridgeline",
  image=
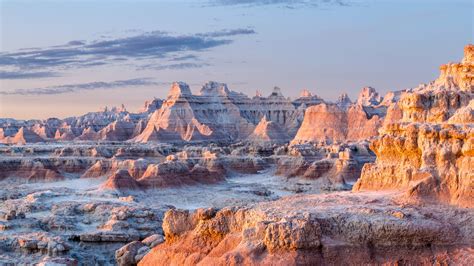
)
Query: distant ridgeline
[{"x": 219, "y": 114}]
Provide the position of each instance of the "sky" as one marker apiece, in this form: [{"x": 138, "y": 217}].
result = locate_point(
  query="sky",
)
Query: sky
[{"x": 66, "y": 58}]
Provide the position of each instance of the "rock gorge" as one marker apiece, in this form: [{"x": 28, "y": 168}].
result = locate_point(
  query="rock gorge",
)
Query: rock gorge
[
  {"x": 218, "y": 178},
  {"x": 424, "y": 154}
]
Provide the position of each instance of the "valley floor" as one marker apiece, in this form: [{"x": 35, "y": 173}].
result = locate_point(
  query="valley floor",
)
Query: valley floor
[{"x": 68, "y": 218}]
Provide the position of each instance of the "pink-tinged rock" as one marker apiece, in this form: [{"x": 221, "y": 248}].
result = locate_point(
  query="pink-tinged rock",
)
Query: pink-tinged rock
[
  {"x": 117, "y": 131},
  {"x": 64, "y": 134},
  {"x": 333, "y": 123},
  {"x": 368, "y": 96},
  {"x": 314, "y": 230},
  {"x": 321, "y": 123},
  {"x": 121, "y": 181},
  {"x": 88, "y": 134},
  {"x": 268, "y": 131},
  {"x": 426, "y": 147},
  {"x": 22, "y": 137}
]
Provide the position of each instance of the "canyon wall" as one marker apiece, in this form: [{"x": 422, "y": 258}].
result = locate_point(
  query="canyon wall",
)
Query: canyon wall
[
  {"x": 344, "y": 121},
  {"x": 427, "y": 143}
]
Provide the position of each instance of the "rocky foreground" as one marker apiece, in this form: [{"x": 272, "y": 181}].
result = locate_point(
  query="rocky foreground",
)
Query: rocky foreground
[
  {"x": 383, "y": 180},
  {"x": 338, "y": 228}
]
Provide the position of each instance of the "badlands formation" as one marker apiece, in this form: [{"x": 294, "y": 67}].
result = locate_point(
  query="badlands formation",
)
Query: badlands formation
[{"x": 219, "y": 178}]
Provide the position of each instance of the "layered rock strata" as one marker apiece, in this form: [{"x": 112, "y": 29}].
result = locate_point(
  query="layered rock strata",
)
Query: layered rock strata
[
  {"x": 314, "y": 230},
  {"x": 339, "y": 165},
  {"x": 216, "y": 114},
  {"x": 344, "y": 121},
  {"x": 427, "y": 143}
]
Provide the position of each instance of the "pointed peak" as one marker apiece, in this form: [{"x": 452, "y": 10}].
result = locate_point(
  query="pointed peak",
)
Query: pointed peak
[
  {"x": 276, "y": 92},
  {"x": 89, "y": 130},
  {"x": 306, "y": 93},
  {"x": 344, "y": 98},
  {"x": 468, "y": 54},
  {"x": 122, "y": 108},
  {"x": 369, "y": 96},
  {"x": 179, "y": 89}
]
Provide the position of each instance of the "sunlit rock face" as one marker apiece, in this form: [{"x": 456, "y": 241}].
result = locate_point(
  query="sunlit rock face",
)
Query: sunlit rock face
[
  {"x": 343, "y": 120},
  {"x": 337, "y": 166},
  {"x": 121, "y": 181},
  {"x": 330, "y": 123},
  {"x": 343, "y": 101},
  {"x": 217, "y": 114},
  {"x": 187, "y": 117},
  {"x": 276, "y": 108},
  {"x": 368, "y": 96},
  {"x": 117, "y": 131},
  {"x": 24, "y": 135},
  {"x": 268, "y": 132},
  {"x": 151, "y": 106},
  {"x": 323, "y": 122},
  {"x": 307, "y": 99},
  {"x": 459, "y": 75},
  {"x": 314, "y": 230},
  {"x": 426, "y": 145},
  {"x": 430, "y": 161}
]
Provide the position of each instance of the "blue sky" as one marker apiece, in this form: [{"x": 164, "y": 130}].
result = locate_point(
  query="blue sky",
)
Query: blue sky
[{"x": 88, "y": 54}]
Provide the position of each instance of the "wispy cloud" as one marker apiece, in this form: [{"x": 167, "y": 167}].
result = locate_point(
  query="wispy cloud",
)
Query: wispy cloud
[
  {"x": 26, "y": 75},
  {"x": 184, "y": 57},
  {"x": 151, "y": 45},
  {"x": 60, "y": 89},
  {"x": 173, "y": 66},
  {"x": 283, "y": 3}
]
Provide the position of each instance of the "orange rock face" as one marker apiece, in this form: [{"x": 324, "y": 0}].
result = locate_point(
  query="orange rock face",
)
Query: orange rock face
[
  {"x": 430, "y": 161},
  {"x": 331, "y": 123},
  {"x": 427, "y": 143},
  {"x": 268, "y": 131},
  {"x": 336, "y": 229},
  {"x": 460, "y": 75}
]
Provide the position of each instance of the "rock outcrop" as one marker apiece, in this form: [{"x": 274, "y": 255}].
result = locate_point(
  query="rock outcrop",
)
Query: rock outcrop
[
  {"x": 368, "y": 96},
  {"x": 268, "y": 132},
  {"x": 329, "y": 123},
  {"x": 23, "y": 136},
  {"x": 187, "y": 117},
  {"x": 459, "y": 75},
  {"x": 315, "y": 230},
  {"x": 307, "y": 99},
  {"x": 426, "y": 145},
  {"x": 344, "y": 121},
  {"x": 121, "y": 180},
  {"x": 430, "y": 161},
  {"x": 338, "y": 165},
  {"x": 117, "y": 131}
]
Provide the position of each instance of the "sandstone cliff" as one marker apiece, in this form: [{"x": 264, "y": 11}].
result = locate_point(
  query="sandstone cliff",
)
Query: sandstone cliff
[
  {"x": 330, "y": 123},
  {"x": 427, "y": 143}
]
